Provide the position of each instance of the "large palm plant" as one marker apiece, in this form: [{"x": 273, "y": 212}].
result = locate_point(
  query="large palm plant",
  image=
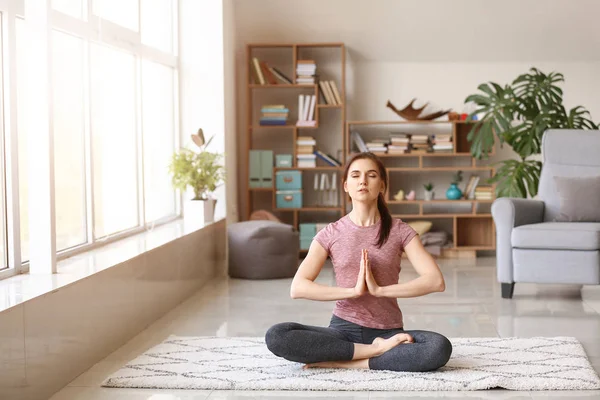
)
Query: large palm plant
[{"x": 518, "y": 115}]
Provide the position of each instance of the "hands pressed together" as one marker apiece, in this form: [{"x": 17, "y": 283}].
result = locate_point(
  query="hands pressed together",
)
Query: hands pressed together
[{"x": 366, "y": 282}]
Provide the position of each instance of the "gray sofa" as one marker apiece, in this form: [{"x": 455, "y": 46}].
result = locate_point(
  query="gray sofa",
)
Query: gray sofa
[{"x": 531, "y": 246}]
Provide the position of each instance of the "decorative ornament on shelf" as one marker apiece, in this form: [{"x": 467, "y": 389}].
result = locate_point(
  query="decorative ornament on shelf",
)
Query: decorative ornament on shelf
[
  {"x": 428, "y": 191},
  {"x": 453, "y": 192},
  {"x": 399, "y": 196},
  {"x": 411, "y": 195},
  {"x": 414, "y": 114}
]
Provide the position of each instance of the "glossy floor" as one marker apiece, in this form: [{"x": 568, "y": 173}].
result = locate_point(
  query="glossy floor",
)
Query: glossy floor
[{"x": 471, "y": 306}]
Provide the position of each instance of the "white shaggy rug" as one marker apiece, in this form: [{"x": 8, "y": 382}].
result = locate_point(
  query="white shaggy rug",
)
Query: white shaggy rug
[{"x": 245, "y": 363}]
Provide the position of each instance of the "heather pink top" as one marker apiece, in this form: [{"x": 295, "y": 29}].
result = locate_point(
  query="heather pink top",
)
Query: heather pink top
[{"x": 344, "y": 240}]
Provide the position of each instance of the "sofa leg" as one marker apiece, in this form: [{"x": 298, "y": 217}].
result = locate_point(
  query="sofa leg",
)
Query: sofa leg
[{"x": 507, "y": 290}]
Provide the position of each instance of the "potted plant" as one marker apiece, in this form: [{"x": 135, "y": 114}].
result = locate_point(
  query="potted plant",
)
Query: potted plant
[
  {"x": 518, "y": 115},
  {"x": 453, "y": 192},
  {"x": 428, "y": 191},
  {"x": 202, "y": 172}
]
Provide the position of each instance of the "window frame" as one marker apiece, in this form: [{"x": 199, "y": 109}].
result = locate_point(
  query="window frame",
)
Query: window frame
[{"x": 106, "y": 33}]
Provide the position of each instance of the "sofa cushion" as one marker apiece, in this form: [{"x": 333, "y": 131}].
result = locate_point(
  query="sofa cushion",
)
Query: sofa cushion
[
  {"x": 557, "y": 236},
  {"x": 579, "y": 199}
]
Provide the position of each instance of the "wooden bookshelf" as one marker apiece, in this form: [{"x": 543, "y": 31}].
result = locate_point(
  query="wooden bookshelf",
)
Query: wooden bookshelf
[
  {"x": 330, "y": 59},
  {"x": 468, "y": 221}
]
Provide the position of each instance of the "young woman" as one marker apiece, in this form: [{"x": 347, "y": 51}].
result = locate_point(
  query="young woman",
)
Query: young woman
[{"x": 366, "y": 329}]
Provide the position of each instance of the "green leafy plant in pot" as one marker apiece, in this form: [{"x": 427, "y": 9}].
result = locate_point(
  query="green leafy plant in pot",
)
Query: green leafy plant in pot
[
  {"x": 428, "y": 191},
  {"x": 201, "y": 171},
  {"x": 518, "y": 115}
]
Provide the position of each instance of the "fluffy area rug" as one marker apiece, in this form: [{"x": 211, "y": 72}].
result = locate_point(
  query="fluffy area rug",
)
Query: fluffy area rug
[{"x": 245, "y": 363}]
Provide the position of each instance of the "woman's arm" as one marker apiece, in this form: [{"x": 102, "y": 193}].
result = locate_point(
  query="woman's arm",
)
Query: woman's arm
[
  {"x": 303, "y": 285},
  {"x": 430, "y": 277}
]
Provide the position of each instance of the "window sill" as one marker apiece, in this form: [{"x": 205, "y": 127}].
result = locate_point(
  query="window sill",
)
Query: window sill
[{"x": 21, "y": 288}]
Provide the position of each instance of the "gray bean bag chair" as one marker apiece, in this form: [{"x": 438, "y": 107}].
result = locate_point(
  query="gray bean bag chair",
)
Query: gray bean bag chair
[{"x": 262, "y": 250}]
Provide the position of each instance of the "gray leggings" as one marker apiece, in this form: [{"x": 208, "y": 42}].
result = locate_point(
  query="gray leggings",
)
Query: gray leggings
[{"x": 311, "y": 344}]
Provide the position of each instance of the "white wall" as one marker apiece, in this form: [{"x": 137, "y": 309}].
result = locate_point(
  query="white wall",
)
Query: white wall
[{"x": 206, "y": 84}]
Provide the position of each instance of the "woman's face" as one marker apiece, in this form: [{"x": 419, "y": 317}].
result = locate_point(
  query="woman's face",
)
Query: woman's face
[{"x": 364, "y": 182}]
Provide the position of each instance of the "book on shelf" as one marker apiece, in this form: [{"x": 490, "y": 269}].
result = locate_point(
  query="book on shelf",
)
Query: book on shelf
[
  {"x": 359, "y": 142},
  {"x": 281, "y": 76},
  {"x": 264, "y": 74},
  {"x": 471, "y": 185},
  {"x": 327, "y": 159},
  {"x": 273, "y": 115},
  {"x": 305, "y": 152},
  {"x": 330, "y": 92},
  {"x": 484, "y": 192},
  {"x": 305, "y": 72},
  {"x": 259, "y": 78},
  {"x": 306, "y": 110}
]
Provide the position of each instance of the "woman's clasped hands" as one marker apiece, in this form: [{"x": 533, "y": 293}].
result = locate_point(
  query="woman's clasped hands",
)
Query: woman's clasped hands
[{"x": 365, "y": 282}]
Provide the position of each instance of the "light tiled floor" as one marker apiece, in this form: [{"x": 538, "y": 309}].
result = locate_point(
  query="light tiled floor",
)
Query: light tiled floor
[{"x": 471, "y": 306}]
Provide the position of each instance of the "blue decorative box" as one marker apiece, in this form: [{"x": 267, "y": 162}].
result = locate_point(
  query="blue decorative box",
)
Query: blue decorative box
[
  {"x": 288, "y": 180},
  {"x": 308, "y": 231},
  {"x": 288, "y": 198},
  {"x": 305, "y": 243}
]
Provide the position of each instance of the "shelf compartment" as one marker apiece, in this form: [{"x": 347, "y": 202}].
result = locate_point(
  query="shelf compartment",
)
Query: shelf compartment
[{"x": 475, "y": 232}]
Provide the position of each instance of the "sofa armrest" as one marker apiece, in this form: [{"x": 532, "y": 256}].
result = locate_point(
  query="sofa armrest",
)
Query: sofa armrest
[{"x": 508, "y": 213}]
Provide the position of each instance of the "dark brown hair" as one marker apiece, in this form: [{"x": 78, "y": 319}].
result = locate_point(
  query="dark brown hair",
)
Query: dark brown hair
[{"x": 384, "y": 213}]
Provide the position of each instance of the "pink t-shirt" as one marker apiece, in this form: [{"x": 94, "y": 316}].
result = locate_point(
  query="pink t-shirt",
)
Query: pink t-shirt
[{"x": 344, "y": 240}]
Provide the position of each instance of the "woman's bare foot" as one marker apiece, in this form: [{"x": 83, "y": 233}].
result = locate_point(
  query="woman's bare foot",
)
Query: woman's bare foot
[{"x": 382, "y": 345}]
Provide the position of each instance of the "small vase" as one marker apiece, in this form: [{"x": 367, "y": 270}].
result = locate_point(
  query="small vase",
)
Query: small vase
[
  {"x": 199, "y": 211},
  {"x": 429, "y": 195},
  {"x": 453, "y": 192}
]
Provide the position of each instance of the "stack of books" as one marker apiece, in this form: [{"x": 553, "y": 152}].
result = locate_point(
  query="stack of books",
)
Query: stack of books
[
  {"x": 273, "y": 114},
  {"x": 484, "y": 192},
  {"x": 399, "y": 143},
  {"x": 377, "y": 146},
  {"x": 442, "y": 143},
  {"x": 306, "y": 110},
  {"x": 305, "y": 71},
  {"x": 306, "y": 157},
  {"x": 420, "y": 143}
]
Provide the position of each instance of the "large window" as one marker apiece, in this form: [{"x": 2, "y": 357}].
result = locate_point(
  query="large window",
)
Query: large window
[
  {"x": 22, "y": 138},
  {"x": 69, "y": 150},
  {"x": 114, "y": 140},
  {"x": 158, "y": 123},
  {"x": 113, "y": 114},
  {"x": 3, "y": 247},
  {"x": 121, "y": 12}
]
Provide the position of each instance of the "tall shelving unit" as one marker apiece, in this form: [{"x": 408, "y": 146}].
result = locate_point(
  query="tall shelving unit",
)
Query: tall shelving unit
[
  {"x": 329, "y": 131},
  {"x": 469, "y": 222}
]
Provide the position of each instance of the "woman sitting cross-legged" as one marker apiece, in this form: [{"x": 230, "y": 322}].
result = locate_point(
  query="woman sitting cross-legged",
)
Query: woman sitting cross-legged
[{"x": 366, "y": 329}]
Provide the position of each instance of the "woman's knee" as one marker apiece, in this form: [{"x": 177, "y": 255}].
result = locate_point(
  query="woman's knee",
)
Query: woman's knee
[
  {"x": 274, "y": 338},
  {"x": 441, "y": 350}
]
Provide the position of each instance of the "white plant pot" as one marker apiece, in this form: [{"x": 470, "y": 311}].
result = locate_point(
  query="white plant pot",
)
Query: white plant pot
[
  {"x": 428, "y": 195},
  {"x": 199, "y": 211}
]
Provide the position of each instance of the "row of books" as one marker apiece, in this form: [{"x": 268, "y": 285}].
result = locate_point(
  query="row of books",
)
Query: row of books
[
  {"x": 474, "y": 190},
  {"x": 265, "y": 74},
  {"x": 330, "y": 92},
  {"x": 273, "y": 115},
  {"x": 307, "y": 154},
  {"x": 401, "y": 143},
  {"x": 306, "y": 110}
]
